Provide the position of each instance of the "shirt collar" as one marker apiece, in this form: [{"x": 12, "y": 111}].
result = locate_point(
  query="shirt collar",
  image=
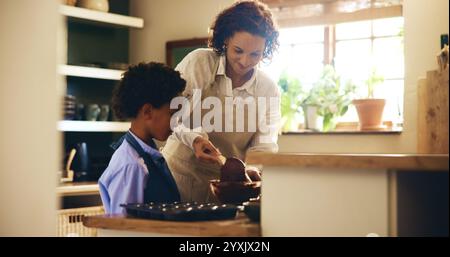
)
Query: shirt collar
[
  {"x": 150, "y": 149},
  {"x": 248, "y": 86}
]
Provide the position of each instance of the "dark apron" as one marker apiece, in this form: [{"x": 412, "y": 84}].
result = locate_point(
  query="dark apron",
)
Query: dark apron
[{"x": 161, "y": 186}]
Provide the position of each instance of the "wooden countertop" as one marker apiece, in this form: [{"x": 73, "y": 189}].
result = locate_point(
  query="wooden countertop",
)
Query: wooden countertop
[
  {"x": 77, "y": 188},
  {"x": 239, "y": 227},
  {"x": 423, "y": 162}
]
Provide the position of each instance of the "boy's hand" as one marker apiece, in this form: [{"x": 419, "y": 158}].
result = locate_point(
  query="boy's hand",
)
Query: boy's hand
[{"x": 205, "y": 151}]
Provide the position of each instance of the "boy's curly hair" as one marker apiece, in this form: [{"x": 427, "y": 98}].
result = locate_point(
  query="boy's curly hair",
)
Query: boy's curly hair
[
  {"x": 152, "y": 83},
  {"x": 253, "y": 17}
]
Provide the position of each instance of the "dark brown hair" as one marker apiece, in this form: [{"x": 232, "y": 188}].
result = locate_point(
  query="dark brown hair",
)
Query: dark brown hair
[
  {"x": 253, "y": 17},
  {"x": 152, "y": 83}
]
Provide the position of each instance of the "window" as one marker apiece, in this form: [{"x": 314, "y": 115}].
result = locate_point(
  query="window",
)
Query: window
[
  {"x": 300, "y": 54},
  {"x": 357, "y": 47}
]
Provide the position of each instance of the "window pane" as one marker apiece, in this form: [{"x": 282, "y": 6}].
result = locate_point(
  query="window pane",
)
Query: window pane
[
  {"x": 350, "y": 116},
  {"x": 280, "y": 62},
  {"x": 303, "y": 61},
  {"x": 352, "y": 59},
  {"x": 302, "y": 35},
  {"x": 387, "y": 27},
  {"x": 352, "y": 30},
  {"x": 392, "y": 91},
  {"x": 388, "y": 57},
  {"x": 307, "y": 62}
]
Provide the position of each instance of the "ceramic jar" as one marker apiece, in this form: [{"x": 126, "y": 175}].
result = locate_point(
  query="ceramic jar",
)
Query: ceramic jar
[{"x": 97, "y": 5}]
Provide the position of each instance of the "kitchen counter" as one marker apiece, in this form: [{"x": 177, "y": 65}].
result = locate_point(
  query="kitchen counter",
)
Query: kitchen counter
[
  {"x": 77, "y": 188},
  {"x": 108, "y": 225},
  {"x": 425, "y": 162},
  {"x": 353, "y": 194}
]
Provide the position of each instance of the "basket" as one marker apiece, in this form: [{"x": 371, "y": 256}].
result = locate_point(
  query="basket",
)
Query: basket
[{"x": 70, "y": 222}]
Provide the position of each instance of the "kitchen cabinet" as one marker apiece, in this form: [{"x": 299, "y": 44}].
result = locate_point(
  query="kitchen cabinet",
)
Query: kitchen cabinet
[
  {"x": 95, "y": 41},
  {"x": 95, "y": 51},
  {"x": 353, "y": 194}
]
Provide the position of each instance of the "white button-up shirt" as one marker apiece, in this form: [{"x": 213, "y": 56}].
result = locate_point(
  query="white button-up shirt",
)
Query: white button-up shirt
[{"x": 197, "y": 68}]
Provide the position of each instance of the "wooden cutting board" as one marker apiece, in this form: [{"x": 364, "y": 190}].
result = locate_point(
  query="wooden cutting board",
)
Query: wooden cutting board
[{"x": 432, "y": 130}]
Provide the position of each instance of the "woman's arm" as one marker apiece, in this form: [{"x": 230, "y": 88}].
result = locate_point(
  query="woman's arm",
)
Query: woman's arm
[
  {"x": 197, "y": 68},
  {"x": 266, "y": 137}
]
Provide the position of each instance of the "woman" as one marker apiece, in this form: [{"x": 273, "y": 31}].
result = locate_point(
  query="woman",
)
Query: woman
[{"x": 243, "y": 35}]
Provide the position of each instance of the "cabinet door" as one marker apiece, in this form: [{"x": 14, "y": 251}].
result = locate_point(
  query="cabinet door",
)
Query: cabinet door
[{"x": 324, "y": 202}]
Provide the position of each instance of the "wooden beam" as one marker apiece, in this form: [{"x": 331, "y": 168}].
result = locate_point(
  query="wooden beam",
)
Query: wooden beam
[{"x": 334, "y": 18}]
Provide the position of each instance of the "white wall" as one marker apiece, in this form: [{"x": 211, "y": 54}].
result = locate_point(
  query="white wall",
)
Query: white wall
[
  {"x": 167, "y": 20},
  {"x": 29, "y": 141}
]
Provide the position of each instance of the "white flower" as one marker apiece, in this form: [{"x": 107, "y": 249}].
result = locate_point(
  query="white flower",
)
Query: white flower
[{"x": 333, "y": 108}]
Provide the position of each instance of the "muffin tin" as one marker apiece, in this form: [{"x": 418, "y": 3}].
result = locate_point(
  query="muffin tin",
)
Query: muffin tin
[
  {"x": 187, "y": 211},
  {"x": 253, "y": 211}
]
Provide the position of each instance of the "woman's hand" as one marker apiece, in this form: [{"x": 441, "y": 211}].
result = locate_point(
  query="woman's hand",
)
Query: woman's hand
[{"x": 205, "y": 151}]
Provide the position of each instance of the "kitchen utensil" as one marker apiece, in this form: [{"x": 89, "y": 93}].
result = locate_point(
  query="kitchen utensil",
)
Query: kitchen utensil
[
  {"x": 232, "y": 169},
  {"x": 81, "y": 164},
  {"x": 80, "y": 112},
  {"x": 68, "y": 172},
  {"x": 92, "y": 112},
  {"x": 189, "y": 211},
  {"x": 232, "y": 192},
  {"x": 104, "y": 112}
]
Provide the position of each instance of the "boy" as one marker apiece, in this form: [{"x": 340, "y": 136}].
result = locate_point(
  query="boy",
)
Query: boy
[{"x": 137, "y": 172}]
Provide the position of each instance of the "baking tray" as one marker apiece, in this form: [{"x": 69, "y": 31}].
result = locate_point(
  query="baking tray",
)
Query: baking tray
[{"x": 177, "y": 211}]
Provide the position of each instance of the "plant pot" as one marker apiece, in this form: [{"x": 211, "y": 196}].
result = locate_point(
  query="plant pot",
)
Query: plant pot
[
  {"x": 370, "y": 113},
  {"x": 312, "y": 120}
]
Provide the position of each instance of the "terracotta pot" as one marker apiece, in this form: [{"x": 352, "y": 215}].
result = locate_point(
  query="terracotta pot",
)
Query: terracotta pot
[{"x": 370, "y": 113}]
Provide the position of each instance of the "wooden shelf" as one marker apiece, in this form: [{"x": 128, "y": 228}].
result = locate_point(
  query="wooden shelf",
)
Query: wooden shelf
[
  {"x": 89, "y": 72},
  {"x": 74, "y": 189},
  {"x": 93, "y": 126},
  {"x": 87, "y": 15}
]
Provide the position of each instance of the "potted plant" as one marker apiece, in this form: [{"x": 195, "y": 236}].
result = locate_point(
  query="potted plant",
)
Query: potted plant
[
  {"x": 292, "y": 95},
  {"x": 294, "y": 100},
  {"x": 331, "y": 97},
  {"x": 370, "y": 109}
]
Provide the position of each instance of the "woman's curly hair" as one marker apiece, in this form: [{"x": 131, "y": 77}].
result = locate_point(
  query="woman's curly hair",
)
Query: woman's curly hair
[
  {"x": 253, "y": 17},
  {"x": 152, "y": 83}
]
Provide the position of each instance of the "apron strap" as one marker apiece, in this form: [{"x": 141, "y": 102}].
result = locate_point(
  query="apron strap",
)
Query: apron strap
[{"x": 161, "y": 186}]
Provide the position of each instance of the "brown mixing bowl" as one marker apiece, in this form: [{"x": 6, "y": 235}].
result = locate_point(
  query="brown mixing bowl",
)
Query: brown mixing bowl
[{"x": 234, "y": 192}]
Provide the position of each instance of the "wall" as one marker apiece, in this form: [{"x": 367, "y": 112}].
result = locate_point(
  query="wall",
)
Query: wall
[
  {"x": 28, "y": 115},
  {"x": 169, "y": 20},
  {"x": 424, "y": 22}
]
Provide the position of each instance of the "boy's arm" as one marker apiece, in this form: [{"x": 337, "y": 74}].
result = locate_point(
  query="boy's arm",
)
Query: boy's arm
[{"x": 127, "y": 187}]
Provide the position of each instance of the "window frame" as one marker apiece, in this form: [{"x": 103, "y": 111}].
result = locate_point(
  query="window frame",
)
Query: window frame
[{"x": 329, "y": 49}]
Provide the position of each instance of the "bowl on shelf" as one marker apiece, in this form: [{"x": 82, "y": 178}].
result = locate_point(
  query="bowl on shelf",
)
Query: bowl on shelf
[
  {"x": 231, "y": 192},
  {"x": 96, "y": 5},
  {"x": 69, "y": 2}
]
